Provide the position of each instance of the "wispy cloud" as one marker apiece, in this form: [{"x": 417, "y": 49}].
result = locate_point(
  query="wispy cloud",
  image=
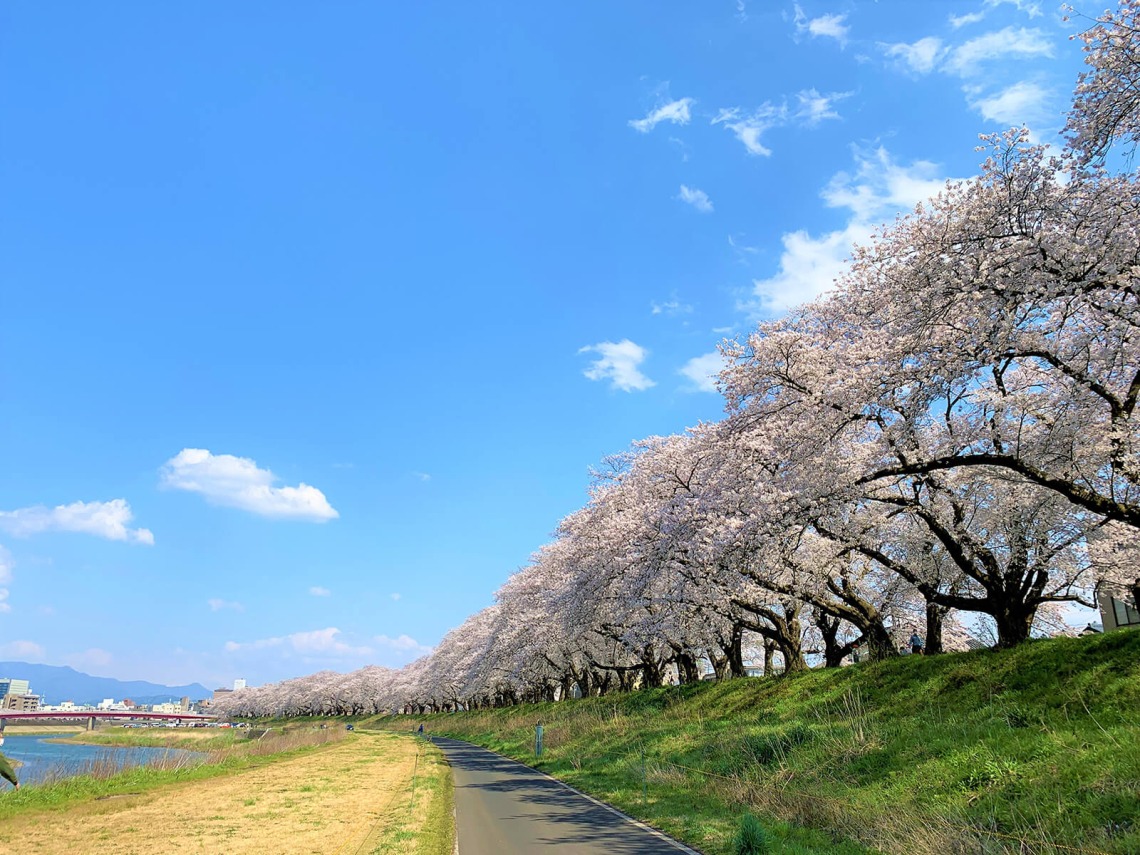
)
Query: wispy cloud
[
  {"x": 421, "y": 476},
  {"x": 92, "y": 657},
  {"x": 394, "y": 596},
  {"x": 318, "y": 591},
  {"x": 878, "y": 189},
  {"x": 702, "y": 371},
  {"x": 1022, "y": 103},
  {"x": 1030, "y": 7},
  {"x": 1010, "y": 43},
  {"x": 814, "y": 108},
  {"x": 102, "y": 519},
  {"x": 402, "y": 644},
  {"x": 619, "y": 362},
  {"x": 743, "y": 250},
  {"x": 921, "y": 57},
  {"x": 696, "y": 197},
  {"x": 677, "y": 112},
  {"x": 959, "y": 21},
  {"x": 748, "y": 127},
  {"x": 237, "y": 482},
  {"x": 321, "y": 643},
  {"x": 671, "y": 307},
  {"x": 22, "y": 651},
  {"x": 831, "y": 26},
  {"x": 217, "y": 605}
]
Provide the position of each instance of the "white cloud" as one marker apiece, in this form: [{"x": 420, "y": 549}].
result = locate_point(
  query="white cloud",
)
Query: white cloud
[
  {"x": 6, "y": 565},
  {"x": 702, "y": 371},
  {"x": 696, "y": 197},
  {"x": 102, "y": 519},
  {"x": 22, "y": 651},
  {"x": 831, "y": 26},
  {"x": 422, "y": 476},
  {"x": 313, "y": 643},
  {"x": 1010, "y": 43},
  {"x": 1022, "y": 103},
  {"x": 748, "y": 127},
  {"x": 217, "y": 605},
  {"x": 92, "y": 657},
  {"x": 741, "y": 11},
  {"x": 959, "y": 21},
  {"x": 402, "y": 644},
  {"x": 5, "y": 607},
  {"x": 880, "y": 188},
  {"x": 671, "y": 308},
  {"x": 677, "y": 112},
  {"x": 237, "y": 482},
  {"x": 619, "y": 363},
  {"x": 318, "y": 591},
  {"x": 814, "y": 107},
  {"x": 920, "y": 57},
  {"x": 742, "y": 249},
  {"x": 1030, "y": 7},
  {"x": 395, "y": 597}
]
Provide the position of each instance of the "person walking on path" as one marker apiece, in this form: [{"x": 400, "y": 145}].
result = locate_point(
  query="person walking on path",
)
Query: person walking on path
[
  {"x": 6, "y": 770},
  {"x": 916, "y": 643}
]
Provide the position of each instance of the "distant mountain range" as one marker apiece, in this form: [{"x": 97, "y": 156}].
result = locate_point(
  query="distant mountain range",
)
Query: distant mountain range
[{"x": 55, "y": 684}]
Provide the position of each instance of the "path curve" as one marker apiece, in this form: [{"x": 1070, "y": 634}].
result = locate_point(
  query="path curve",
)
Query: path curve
[{"x": 503, "y": 807}]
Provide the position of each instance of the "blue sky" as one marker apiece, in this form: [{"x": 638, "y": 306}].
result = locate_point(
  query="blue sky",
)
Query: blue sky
[{"x": 314, "y": 317}]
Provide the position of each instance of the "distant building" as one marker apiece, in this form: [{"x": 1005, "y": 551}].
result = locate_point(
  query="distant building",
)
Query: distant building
[
  {"x": 239, "y": 684},
  {"x": 219, "y": 693},
  {"x": 184, "y": 704},
  {"x": 22, "y": 703},
  {"x": 8, "y": 686}
]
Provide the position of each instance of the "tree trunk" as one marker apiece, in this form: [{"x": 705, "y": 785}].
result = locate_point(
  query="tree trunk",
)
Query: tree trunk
[
  {"x": 879, "y": 643},
  {"x": 833, "y": 651},
  {"x": 935, "y": 615},
  {"x": 736, "y": 652},
  {"x": 1013, "y": 623},
  {"x": 720, "y": 667}
]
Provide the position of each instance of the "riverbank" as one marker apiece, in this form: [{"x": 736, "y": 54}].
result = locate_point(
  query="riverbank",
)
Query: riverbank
[
  {"x": 106, "y": 780},
  {"x": 1035, "y": 749},
  {"x": 367, "y": 793},
  {"x": 189, "y": 739},
  {"x": 42, "y": 729}
]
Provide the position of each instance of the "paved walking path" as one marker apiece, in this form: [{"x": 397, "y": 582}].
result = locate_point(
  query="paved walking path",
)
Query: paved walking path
[{"x": 503, "y": 807}]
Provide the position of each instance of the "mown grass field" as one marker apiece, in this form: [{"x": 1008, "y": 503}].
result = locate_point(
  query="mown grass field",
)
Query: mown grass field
[
  {"x": 302, "y": 791},
  {"x": 1033, "y": 750}
]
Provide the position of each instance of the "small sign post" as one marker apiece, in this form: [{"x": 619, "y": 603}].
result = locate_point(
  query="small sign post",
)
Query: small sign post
[{"x": 538, "y": 740}]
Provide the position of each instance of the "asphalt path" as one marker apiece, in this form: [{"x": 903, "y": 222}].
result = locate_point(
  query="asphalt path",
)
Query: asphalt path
[{"x": 503, "y": 807}]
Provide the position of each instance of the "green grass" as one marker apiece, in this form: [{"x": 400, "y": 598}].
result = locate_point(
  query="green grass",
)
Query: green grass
[
  {"x": 423, "y": 822},
  {"x": 1033, "y": 749}
]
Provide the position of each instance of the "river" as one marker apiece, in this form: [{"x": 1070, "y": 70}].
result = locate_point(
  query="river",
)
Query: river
[{"x": 41, "y": 758}]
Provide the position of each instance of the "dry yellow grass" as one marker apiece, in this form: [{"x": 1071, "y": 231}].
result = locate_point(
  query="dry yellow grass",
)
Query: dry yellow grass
[{"x": 335, "y": 800}]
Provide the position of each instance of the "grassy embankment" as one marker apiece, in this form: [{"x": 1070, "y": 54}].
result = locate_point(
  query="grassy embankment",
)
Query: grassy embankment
[{"x": 1033, "y": 750}]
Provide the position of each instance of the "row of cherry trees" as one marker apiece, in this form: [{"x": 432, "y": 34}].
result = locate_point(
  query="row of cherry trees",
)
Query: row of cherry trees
[{"x": 951, "y": 432}]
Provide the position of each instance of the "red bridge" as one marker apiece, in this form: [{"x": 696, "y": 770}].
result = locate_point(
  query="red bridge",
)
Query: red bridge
[{"x": 89, "y": 716}]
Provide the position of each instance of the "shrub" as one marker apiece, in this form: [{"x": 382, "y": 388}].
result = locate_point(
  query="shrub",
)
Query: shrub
[{"x": 750, "y": 838}]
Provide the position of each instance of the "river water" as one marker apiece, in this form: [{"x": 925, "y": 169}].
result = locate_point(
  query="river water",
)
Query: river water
[{"x": 41, "y": 758}]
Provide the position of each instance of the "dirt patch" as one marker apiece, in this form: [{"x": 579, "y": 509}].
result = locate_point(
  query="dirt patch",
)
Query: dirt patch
[{"x": 329, "y": 801}]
